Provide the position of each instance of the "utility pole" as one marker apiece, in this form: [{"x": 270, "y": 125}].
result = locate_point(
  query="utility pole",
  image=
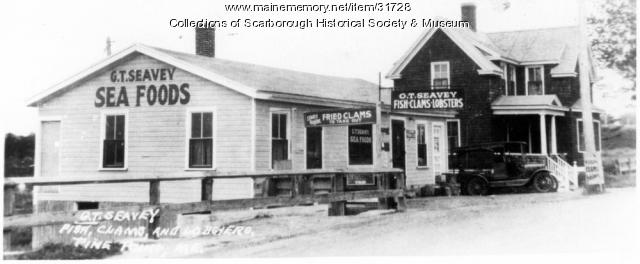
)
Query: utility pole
[{"x": 594, "y": 178}]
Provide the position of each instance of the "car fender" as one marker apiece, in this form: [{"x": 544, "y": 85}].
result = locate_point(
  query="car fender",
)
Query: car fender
[{"x": 533, "y": 174}]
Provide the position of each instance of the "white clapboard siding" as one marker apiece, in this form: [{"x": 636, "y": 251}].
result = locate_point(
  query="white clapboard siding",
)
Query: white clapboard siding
[
  {"x": 336, "y": 147},
  {"x": 156, "y": 139},
  {"x": 423, "y": 175},
  {"x": 334, "y": 139}
]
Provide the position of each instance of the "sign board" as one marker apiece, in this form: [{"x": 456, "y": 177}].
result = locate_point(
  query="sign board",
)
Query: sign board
[
  {"x": 593, "y": 169},
  {"x": 360, "y": 179},
  {"x": 445, "y": 99},
  {"x": 410, "y": 133},
  {"x": 344, "y": 116}
]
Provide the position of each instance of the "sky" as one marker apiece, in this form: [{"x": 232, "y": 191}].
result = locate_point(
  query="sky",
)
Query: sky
[{"x": 45, "y": 42}]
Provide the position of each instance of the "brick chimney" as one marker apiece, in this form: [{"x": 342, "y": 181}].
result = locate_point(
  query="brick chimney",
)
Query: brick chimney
[
  {"x": 206, "y": 42},
  {"x": 469, "y": 14}
]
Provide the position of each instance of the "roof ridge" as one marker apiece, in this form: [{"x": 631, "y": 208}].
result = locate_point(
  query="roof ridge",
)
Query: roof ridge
[{"x": 253, "y": 64}]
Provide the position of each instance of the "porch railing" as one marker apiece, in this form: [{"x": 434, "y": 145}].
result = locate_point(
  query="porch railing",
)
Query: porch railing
[{"x": 566, "y": 174}]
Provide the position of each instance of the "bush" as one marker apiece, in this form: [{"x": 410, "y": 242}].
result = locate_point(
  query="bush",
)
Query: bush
[{"x": 66, "y": 251}]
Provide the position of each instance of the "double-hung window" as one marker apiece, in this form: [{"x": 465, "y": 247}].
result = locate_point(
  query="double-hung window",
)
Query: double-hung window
[
  {"x": 440, "y": 78},
  {"x": 535, "y": 84},
  {"x": 581, "y": 138},
  {"x": 279, "y": 137},
  {"x": 113, "y": 141},
  {"x": 422, "y": 145},
  {"x": 453, "y": 139},
  {"x": 505, "y": 77},
  {"x": 201, "y": 140}
]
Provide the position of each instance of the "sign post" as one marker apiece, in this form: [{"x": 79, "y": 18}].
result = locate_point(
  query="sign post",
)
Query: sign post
[{"x": 594, "y": 178}]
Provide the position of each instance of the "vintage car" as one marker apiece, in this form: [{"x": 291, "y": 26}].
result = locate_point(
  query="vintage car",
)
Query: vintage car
[{"x": 480, "y": 168}]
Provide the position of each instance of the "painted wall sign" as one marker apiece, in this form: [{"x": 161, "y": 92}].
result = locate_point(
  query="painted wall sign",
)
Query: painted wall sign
[
  {"x": 425, "y": 100},
  {"x": 152, "y": 94},
  {"x": 345, "y": 116}
]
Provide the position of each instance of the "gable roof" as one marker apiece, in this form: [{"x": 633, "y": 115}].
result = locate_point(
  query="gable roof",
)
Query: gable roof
[
  {"x": 557, "y": 46},
  {"x": 469, "y": 46},
  {"x": 252, "y": 80},
  {"x": 277, "y": 80}
]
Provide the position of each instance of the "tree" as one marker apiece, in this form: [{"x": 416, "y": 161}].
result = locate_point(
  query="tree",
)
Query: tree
[
  {"x": 18, "y": 155},
  {"x": 613, "y": 34}
]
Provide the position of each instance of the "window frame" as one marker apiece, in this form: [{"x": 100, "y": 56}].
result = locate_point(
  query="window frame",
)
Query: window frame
[
  {"x": 443, "y": 151},
  {"x": 598, "y": 141},
  {"x": 214, "y": 134},
  {"x": 505, "y": 76},
  {"x": 513, "y": 77},
  {"x": 373, "y": 144},
  {"x": 426, "y": 144},
  {"x": 526, "y": 78},
  {"x": 433, "y": 64},
  {"x": 101, "y": 138},
  {"x": 289, "y": 113},
  {"x": 458, "y": 132}
]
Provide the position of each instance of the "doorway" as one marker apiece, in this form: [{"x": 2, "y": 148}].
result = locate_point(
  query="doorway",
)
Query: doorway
[
  {"x": 397, "y": 144},
  {"x": 49, "y": 154},
  {"x": 314, "y": 147},
  {"x": 438, "y": 148}
]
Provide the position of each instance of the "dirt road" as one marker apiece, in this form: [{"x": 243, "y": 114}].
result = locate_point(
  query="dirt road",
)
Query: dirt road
[{"x": 518, "y": 224}]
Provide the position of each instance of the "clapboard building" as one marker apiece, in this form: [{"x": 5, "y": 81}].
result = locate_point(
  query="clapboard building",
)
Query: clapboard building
[
  {"x": 151, "y": 112},
  {"x": 518, "y": 85}
]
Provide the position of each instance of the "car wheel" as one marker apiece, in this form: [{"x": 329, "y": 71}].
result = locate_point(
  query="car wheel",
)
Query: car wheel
[
  {"x": 543, "y": 182},
  {"x": 477, "y": 186}
]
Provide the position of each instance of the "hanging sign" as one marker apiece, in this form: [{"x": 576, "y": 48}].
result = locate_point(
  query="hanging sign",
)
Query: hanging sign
[
  {"x": 344, "y": 116},
  {"x": 444, "y": 99}
]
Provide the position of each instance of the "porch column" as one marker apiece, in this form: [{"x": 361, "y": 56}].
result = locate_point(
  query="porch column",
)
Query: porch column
[
  {"x": 554, "y": 143},
  {"x": 543, "y": 134}
]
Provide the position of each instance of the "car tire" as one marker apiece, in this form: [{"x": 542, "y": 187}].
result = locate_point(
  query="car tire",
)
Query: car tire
[
  {"x": 543, "y": 182},
  {"x": 477, "y": 186}
]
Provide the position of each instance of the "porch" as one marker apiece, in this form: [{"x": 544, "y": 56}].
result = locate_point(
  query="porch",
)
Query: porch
[
  {"x": 531, "y": 119},
  {"x": 542, "y": 123}
]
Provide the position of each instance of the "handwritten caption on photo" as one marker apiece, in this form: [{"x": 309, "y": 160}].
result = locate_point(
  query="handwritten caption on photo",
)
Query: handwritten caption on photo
[{"x": 99, "y": 229}]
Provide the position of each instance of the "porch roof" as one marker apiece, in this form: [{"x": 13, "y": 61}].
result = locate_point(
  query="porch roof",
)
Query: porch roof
[
  {"x": 577, "y": 107},
  {"x": 527, "y": 105}
]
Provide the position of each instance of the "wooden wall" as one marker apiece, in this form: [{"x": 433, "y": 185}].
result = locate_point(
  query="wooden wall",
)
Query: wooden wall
[{"x": 156, "y": 139}]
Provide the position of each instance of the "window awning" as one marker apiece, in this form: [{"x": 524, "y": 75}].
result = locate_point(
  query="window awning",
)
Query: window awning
[{"x": 577, "y": 107}]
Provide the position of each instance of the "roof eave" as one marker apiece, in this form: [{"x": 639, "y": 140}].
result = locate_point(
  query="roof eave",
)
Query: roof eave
[
  {"x": 310, "y": 100},
  {"x": 191, "y": 68},
  {"x": 487, "y": 67},
  {"x": 490, "y": 72},
  {"x": 564, "y": 74}
]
